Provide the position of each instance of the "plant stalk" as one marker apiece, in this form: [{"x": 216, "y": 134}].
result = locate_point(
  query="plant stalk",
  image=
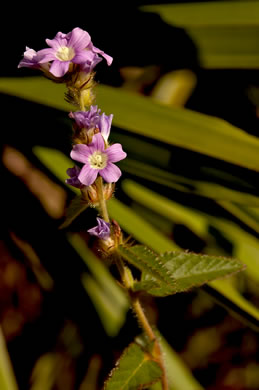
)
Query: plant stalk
[
  {"x": 102, "y": 202},
  {"x": 127, "y": 280}
]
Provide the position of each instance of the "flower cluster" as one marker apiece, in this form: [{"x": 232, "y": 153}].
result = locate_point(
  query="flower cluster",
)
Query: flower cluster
[
  {"x": 71, "y": 58},
  {"x": 65, "y": 53}
]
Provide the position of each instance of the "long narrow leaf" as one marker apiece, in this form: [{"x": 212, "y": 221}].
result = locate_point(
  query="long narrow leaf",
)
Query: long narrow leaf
[
  {"x": 174, "y": 126},
  {"x": 7, "y": 378},
  {"x": 225, "y": 32},
  {"x": 141, "y": 230}
]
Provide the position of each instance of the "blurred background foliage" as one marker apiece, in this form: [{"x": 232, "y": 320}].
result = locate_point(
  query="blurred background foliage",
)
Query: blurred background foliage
[{"x": 184, "y": 91}]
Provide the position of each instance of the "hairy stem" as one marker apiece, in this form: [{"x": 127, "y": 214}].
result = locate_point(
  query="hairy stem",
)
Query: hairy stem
[
  {"x": 102, "y": 202},
  {"x": 81, "y": 102},
  {"x": 127, "y": 280}
]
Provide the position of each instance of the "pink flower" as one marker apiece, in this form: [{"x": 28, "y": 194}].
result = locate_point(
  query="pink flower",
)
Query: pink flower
[
  {"x": 93, "y": 119},
  {"x": 102, "y": 230},
  {"x": 75, "y": 47},
  {"x": 97, "y": 159}
]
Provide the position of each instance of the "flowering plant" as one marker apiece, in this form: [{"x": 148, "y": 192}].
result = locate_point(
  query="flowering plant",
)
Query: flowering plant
[{"x": 71, "y": 59}]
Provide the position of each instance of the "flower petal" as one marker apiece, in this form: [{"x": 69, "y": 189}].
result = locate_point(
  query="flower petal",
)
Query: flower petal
[
  {"x": 108, "y": 58},
  {"x": 88, "y": 175},
  {"x": 115, "y": 153},
  {"x": 97, "y": 142},
  {"x": 111, "y": 173},
  {"x": 46, "y": 55},
  {"x": 79, "y": 39},
  {"x": 83, "y": 56},
  {"x": 59, "y": 68},
  {"x": 105, "y": 125},
  {"x": 80, "y": 152},
  {"x": 59, "y": 40},
  {"x": 102, "y": 230}
]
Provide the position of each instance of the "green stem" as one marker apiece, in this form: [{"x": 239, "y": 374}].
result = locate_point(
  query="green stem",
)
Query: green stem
[
  {"x": 127, "y": 279},
  {"x": 81, "y": 102},
  {"x": 102, "y": 201}
]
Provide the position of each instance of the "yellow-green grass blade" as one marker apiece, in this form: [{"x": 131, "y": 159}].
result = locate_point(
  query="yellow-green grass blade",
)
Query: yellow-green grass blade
[
  {"x": 225, "y": 32},
  {"x": 138, "y": 114}
]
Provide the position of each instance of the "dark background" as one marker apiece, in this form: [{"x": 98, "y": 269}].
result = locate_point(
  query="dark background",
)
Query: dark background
[{"x": 133, "y": 38}]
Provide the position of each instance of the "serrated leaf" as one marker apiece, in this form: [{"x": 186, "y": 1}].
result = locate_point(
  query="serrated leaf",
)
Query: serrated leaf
[
  {"x": 177, "y": 271},
  {"x": 145, "y": 285},
  {"x": 133, "y": 370},
  {"x": 149, "y": 262},
  {"x": 147, "y": 234},
  {"x": 178, "y": 374}
]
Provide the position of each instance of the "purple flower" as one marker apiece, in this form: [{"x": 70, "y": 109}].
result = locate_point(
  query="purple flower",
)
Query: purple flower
[
  {"x": 73, "y": 174},
  {"x": 102, "y": 230},
  {"x": 75, "y": 47},
  {"x": 108, "y": 58},
  {"x": 31, "y": 60},
  {"x": 66, "y": 48},
  {"x": 97, "y": 159},
  {"x": 89, "y": 65},
  {"x": 92, "y": 119}
]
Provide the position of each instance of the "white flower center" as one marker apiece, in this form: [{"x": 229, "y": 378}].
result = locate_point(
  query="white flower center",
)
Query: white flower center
[
  {"x": 65, "y": 53},
  {"x": 98, "y": 160}
]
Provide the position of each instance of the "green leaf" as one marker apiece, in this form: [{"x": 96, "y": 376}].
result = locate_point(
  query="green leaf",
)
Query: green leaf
[
  {"x": 225, "y": 32},
  {"x": 56, "y": 161},
  {"x": 75, "y": 208},
  {"x": 7, "y": 378},
  {"x": 145, "y": 233},
  {"x": 234, "y": 302},
  {"x": 150, "y": 263},
  {"x": 166, "y": 207},
  {"x": 109, "y": 299},
  {"x": 178, "y": 374},
  {"x": 177, "y": 271},
  {"x": 177, "y": 126},
  {"x": 133, "y": 370},
  {"x": 212, "y": 190},
  {"x": 133, "y": 224}
]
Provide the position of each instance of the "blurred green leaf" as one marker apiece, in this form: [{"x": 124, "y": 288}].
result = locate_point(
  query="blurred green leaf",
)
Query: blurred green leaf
[
  {"x": 241, "y": 214},
  {"x": 175, "y": 272},
  {"x": 235, "y": 303},
  {"x": 212, "y": 190},
  {"x": 45, "y": 371},
  {"x": 136, "y": 226},
  {"x": 177, "y": 126},
  {"x": 246, "y": 247},
  {"x": 7, "y": 378},
  {"x": 178, "y": 375},
  {"x": 56, "y": 161},
  {"x": 75, "y": 208},
  {"x": 225, "y": 32},
  {"x": 166, "y": 207},
  {"x": 133, "y": 224},
  {"x": 133, "y": 370},
  {"x": 109, "y": 299}
]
